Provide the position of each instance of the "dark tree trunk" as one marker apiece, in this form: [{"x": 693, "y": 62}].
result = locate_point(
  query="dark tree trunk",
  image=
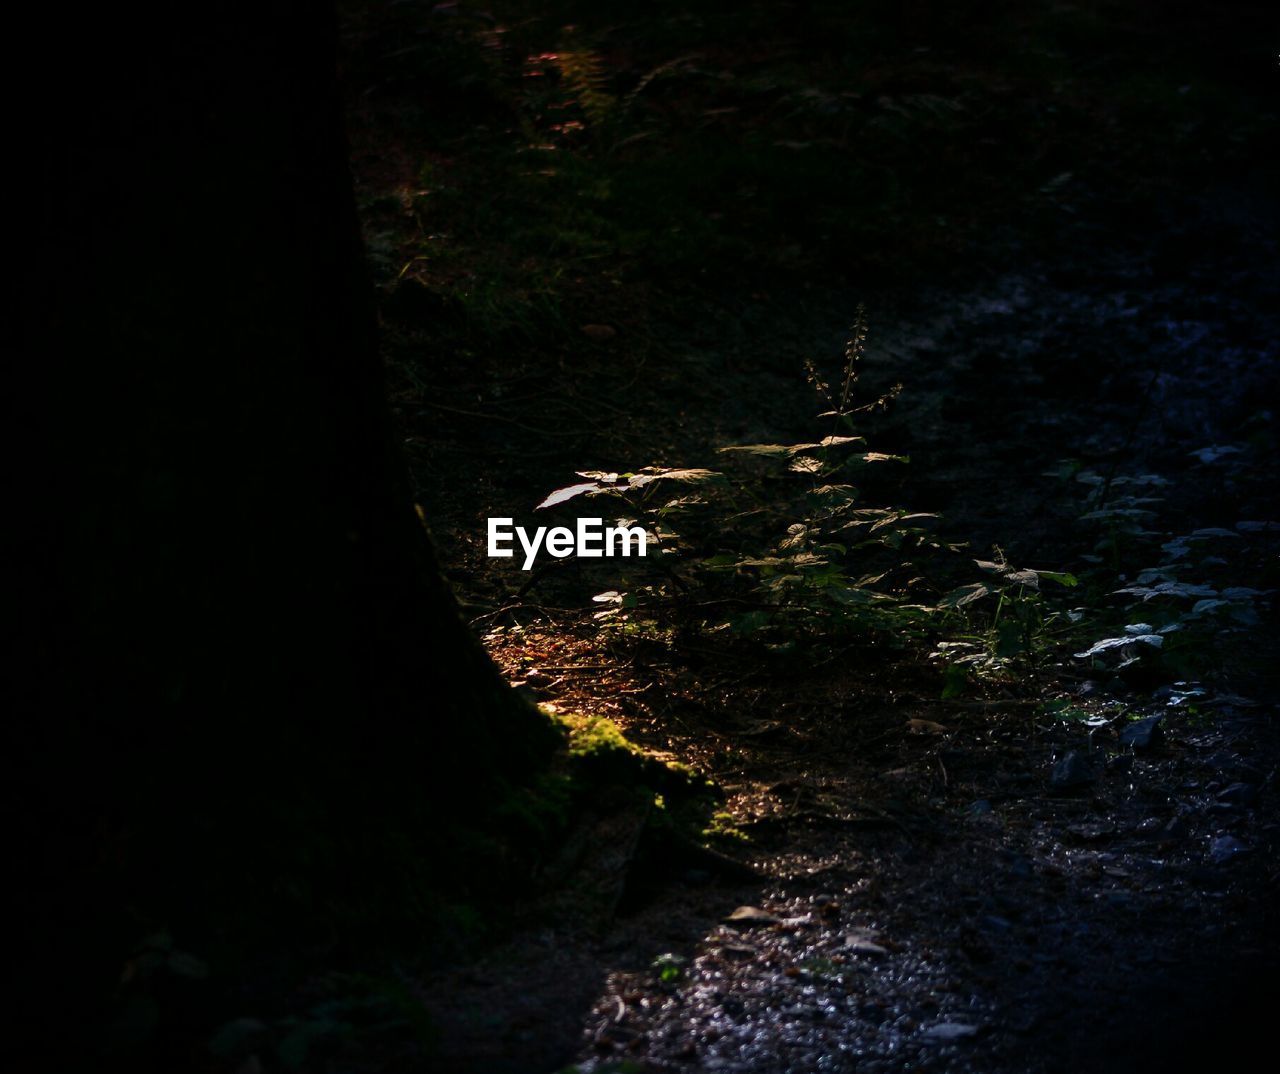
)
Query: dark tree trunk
[{"x": 245, "y": 697}]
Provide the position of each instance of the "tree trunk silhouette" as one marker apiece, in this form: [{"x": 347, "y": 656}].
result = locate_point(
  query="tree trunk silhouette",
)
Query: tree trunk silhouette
[{"x": 245, "y": 700}]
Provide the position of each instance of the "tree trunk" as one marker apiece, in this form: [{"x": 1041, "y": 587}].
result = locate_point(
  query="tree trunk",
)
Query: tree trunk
[{"x": 245, "y": 697}]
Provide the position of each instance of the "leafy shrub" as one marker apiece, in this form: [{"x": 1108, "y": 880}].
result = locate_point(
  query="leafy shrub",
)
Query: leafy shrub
[{"x": 779, "y": 543}]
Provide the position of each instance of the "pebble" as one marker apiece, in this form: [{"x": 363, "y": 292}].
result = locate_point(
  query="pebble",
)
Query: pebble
[
  {"x": 752, "y": 915},
  {"x": 946, "y": 1032},
  {"x": 1143, "y": 734},
  {"x": 1238, "y": 794},
  {"x": 1226, "y": 848},
  {"x": 1074, "y": 770}
]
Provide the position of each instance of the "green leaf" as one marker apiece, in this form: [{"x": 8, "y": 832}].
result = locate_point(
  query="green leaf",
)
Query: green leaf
[
  {"x": 1061, "y": 577},
  {"x": 1010, "y": 639},
  {"x": 954, "y": 680},
  {"x": 749, "y": 622},
  {"x": 851, "y": 595}
]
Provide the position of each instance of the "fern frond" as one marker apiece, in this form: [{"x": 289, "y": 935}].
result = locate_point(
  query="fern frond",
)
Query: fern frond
[{"x": 584, "y": 76}]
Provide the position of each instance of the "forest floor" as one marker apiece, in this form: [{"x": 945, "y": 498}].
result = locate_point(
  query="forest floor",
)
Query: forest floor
[{"x": 615, "y": 247}]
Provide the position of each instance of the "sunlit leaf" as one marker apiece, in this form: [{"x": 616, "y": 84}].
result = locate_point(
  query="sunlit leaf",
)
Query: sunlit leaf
[
  {"x": 1023, "y": 577},
  {"x": 966, "y": 594},
  {"x": 1169, "y": 589},
  {"x": 1107, "y": 644},
  {"x": 695, "y": 475},
  {"x": 568, "y": 493},
  {"x": 780, "y": 450}
]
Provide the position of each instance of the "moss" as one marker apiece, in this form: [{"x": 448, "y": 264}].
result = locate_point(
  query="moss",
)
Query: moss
[
  {"x": 593, "y": 736},
  {"x": 599, "y": 753},
  {"x": 723, "y": 827}
]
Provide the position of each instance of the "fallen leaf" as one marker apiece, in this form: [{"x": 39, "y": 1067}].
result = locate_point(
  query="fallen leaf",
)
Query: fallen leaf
[{"x": 925, "y": 727}]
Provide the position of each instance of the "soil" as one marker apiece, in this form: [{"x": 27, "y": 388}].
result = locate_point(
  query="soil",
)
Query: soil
[{"x": 931, "y": 895}]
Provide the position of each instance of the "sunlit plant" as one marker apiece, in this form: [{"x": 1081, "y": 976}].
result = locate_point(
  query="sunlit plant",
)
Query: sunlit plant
[{"x": 780, "y": 542}]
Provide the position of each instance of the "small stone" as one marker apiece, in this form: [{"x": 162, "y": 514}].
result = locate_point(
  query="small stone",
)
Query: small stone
[
  {"x": 1072, "y": 772},
  {"x": 1226, "y": 848},
  {"x": 947, "y": 1032},
  {"x": 865, "y": 948},
  {"x": 748, "y": 916},
  {"x": 1238, "y": 794},
  {"x": 1143, "y": 734}
]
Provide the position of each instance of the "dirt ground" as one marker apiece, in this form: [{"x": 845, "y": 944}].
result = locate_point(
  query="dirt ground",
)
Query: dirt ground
[{"x": 1007, "y": 879}]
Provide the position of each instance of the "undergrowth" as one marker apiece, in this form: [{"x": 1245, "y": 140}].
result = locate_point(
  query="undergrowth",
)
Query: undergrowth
[{"x": 779, "y": 548}]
